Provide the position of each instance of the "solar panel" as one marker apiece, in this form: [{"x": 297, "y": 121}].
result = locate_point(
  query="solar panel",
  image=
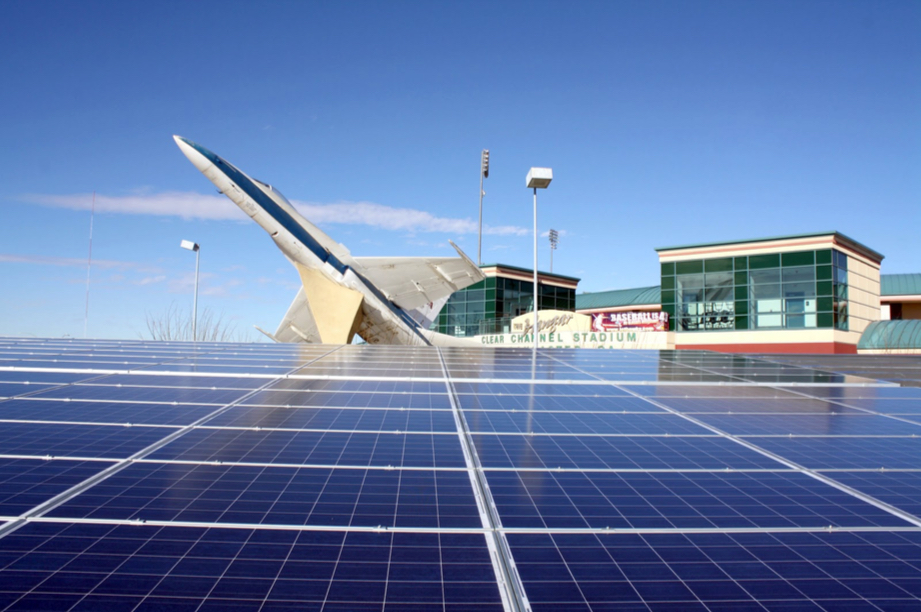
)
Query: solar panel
[{"x": 148, "y": 475}]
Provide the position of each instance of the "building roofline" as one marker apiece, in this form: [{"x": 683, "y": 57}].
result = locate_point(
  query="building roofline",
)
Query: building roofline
[
  {"x": 529, "y": 271},
  {"x": 838, "y": 236}
]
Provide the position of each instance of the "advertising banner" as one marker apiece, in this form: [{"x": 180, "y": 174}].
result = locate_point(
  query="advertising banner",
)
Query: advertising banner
[{"x": 614, "y": 321}]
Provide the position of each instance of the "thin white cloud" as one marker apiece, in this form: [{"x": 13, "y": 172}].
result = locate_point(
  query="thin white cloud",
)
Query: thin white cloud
[
  {"x": 187, "y": 205},
  {"x": 400, "y": 219},
  {"x": 190, "y": 205}
]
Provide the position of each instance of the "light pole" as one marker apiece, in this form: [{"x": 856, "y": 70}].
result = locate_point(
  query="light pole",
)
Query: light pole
[
  {"x": 538, "y": 178},
  {"x": 193, "y": 246},
  {"x": 554, "y": 240},
  {"x": 484, "y": 173}
]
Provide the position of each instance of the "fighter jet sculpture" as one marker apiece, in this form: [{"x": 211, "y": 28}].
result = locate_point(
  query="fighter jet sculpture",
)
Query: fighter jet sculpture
[{"x": 385, "y": 300}]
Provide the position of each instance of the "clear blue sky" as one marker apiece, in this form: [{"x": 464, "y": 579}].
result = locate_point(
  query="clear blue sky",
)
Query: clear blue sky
[{"x": 665, "y": 123}]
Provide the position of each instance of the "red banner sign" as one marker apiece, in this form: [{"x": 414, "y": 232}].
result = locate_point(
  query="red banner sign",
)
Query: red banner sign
[{"x": 612, "y": 321}]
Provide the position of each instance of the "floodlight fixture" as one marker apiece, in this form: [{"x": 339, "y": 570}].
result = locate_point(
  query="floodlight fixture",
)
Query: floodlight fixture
[
  {"x": 538, "y": 178},
  {"x": 484, "y": 173},
  {"x": 554, "y": 241}
]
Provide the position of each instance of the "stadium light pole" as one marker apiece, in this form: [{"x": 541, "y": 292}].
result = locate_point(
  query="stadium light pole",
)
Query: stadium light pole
[
  {"x": 484, "y": 173},
  {"x": 538, "y": 178},
  {"x": 194, "y": 246},
  {"x": 554, "y": 240}
]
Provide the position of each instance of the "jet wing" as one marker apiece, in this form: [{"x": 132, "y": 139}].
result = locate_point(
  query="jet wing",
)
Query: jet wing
[
  {"x": 298, "y": 324},
  {"x": 411, "y": 282}
]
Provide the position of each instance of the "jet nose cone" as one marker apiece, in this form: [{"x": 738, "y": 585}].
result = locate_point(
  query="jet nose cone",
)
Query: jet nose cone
[{"x": 189, "y": 150}]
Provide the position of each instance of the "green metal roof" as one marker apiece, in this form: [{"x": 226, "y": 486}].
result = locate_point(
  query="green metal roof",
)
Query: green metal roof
[
  {"x": 900, "y": 284},
  {"x": 619, "y": 297},
  {"x": 841, "y": 237},
  {"x": 884, "y": 335}
]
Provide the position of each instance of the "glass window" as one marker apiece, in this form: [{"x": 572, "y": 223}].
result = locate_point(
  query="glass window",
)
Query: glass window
[
  {"x": 764, "y": 277},
  {"x": 718, "y": 265},
  {"x": 764, "y": 261},
  {"x": 741, "y": 292},
  {"x": 803, "y": 258},
  {"x": 765, "y": 292},
  {"x": 668, "y": 269},
  {"x": 477, "y": 295},
  {"x": 689, "y": 267},
  {"x": 718, "y": 287},
  {"x": 771, "y": 290},
  {"x": 690, "y": 288}
]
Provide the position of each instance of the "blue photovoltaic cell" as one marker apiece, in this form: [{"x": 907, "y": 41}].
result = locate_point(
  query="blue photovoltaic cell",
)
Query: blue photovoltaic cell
[
  {"x": 316, "y": 448},
  {"x": 95, "y": 567},
  {"x": 804, "y": 406},
  {"x": 585, "y": 423},
  {"x": 102, "y": 412},
  {"x": 488, "y": 389},
  {"x": 14, "y": 389},
  {"x": 272, "y": 397},
  {"x": 421, "y": 387},
  {"x": 846, "y": 453},
  {"x": 372, "y": 491},
  {"x": 810, "y": 425},
  {"x": 899, "y": 489},
  {"x": 779, "y": 571},
  {"x": 554, "y": 372},
  {"x": 336, "y": 418},
  {"x": 197, "y": 382},
  {"x": 211, "y": 368},
  {"x": 280, "y": 496},
  {"x": 715, "y": 391},
  {"x": 870, "y": 392},
  {"x": 144, "y": 394},
  {"x": 617, "y": 453},
  {"x": 45, "y": 378},
  {"x": 58, "y": 440},
  {"x": 911, "y": 407},
  {"x": 26, "y": 483},
  {"x": 323, "y": 368},
  {"x": 683, "y": 500},
  {"x": 536, "y": 402}
]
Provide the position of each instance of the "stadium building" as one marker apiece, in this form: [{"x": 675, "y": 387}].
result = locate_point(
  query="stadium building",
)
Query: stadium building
[{"x": 806, "y": 293}]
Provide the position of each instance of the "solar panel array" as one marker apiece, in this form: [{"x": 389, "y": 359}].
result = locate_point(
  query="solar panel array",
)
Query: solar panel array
[{"x": 151, "y": 476}]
